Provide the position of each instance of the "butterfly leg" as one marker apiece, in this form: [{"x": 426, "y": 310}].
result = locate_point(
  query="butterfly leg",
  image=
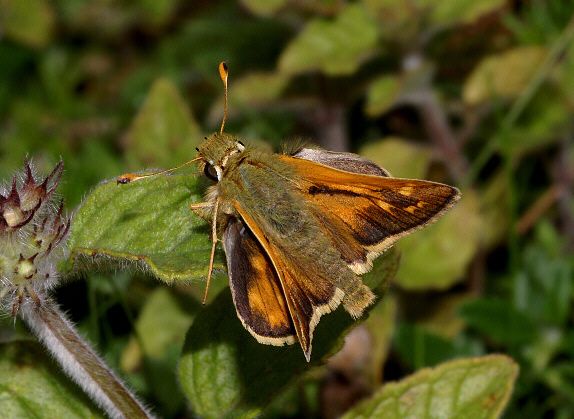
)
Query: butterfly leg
[
  {"x": 201, "y": 209},
  {"x": 214, "y": 242}
]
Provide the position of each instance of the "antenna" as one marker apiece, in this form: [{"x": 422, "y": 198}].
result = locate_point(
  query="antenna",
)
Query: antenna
[
  {"x": 224, "y": 73},
  {"x": 129, "y": 178}
]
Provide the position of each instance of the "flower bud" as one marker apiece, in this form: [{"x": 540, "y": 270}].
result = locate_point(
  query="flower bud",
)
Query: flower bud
[{"x": 32, "y": 236}]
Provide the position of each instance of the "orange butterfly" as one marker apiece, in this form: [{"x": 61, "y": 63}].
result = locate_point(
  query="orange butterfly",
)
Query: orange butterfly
[{"x": 299, "y": 229}]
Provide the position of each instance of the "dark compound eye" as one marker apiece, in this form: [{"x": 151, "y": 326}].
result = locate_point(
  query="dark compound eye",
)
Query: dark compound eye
[{"x": 210, "y": 172}]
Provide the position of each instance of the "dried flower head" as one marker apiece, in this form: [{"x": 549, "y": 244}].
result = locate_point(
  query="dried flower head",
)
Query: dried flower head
[{"x": 32, "y": 233}]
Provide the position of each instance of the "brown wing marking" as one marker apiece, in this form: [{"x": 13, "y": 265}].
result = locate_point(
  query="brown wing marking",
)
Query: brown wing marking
[
  {"x": 308, "y": 295},
  {"x": 363, "y": 215},
  {"x": 256, "y": 288}
]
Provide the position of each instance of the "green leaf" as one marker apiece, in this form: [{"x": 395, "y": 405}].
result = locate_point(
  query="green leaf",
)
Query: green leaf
[
  {"x": 31, "y": 386},
  {"x": 389, "y": 91},
  {"x": 225, "y": 372},
  {"x": 494, "y": 209},
  {"x": 402, "y": 21},
  {"x": 381, "y": 325},
  {"x": 420, "y": 347},
  {"x": 158, "y": 12},
  {"x": 437, "y": 256},
  {"x": 336, "y": 47},
  {"x": 162, "y": 322},
  {"x": 499, "y": 320},
  {"x": 473, "y": 388},
  {"x": 545, "y": 121},
  {"x": 148, "y": 221},
  {"x": 28, "y": 22},
  {"x": 163, "y": 133},
  {"x": 458, "y": 11},
  {"x": 565, "y": 74},
  {"x": 160, "y": 330},
  {"x": 382, "y": 94},
  {"x": 397, "y": 20},
  {"x": 257, "y": 88},
  {"x": 254, "y": 91},
  {"x": 504, "y": 75},
  {"x": 441, "y": 316},
  {"x": 400, "y": 157},
  {"x": 542, "y": 288},
  {"x": 264, "y": 7}
]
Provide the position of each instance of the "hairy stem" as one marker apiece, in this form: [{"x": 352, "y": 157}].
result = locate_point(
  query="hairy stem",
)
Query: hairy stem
[{"x": 81, "y": 362}]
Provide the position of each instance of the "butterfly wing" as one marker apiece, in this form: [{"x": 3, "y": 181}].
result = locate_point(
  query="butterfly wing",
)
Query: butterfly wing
[
  {"x": 364, "y": 214},
  {"x": 302, "y": 233},
  {"x": 256, "y": 287},
  {"x": 309, "y": 271},
  {"x": 348, "y": 162},
  {"x": 306, "y": 293}
]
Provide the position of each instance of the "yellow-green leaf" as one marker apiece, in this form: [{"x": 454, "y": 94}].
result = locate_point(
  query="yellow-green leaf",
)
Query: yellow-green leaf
[
  {"x": 395, "y": 18},
  {"x": 389, "y": 91},
  {"x": 400, "y": 157},
  {"x": 503, "y": 75},
  {"x": 257, "y": 88},
  {"x": 494, "y": 209},
  {"x": 163, "y": 133},
  {"x": 471, "y": 388},
  {"x": 382, "y": 94},
  {"x": 565, "y": 75},
  {"x": 547, "y": 120},
  {"x": 29, "y": 22},
  {"x": 264, "y": 7},
  {"x": 162, "y": 322},
  {"x": 158, "y": 12},
  {"x": 253, "y": 91},
  {"x": 381, "y": 325},
  {"x": 437, "y": 256},
  {"x": 458, "y": 11},
  {"x": 336, "y": 47}
]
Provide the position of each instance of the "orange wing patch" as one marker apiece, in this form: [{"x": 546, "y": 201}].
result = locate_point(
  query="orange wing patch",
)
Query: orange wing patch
[
  {"x": 362, "y": 214},
  {"x": 307, "y": 294},
  {"x": 257, "y": 291}
]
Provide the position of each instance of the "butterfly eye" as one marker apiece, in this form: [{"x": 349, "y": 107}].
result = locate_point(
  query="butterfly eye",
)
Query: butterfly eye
[{"x": 210, "y": 172}]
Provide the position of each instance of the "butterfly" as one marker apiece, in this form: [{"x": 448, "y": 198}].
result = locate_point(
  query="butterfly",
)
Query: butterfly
[{"x": 299, "y": 229}]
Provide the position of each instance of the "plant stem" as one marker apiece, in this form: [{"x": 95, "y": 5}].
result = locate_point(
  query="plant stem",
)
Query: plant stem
[{"x": 81, "y": 362}]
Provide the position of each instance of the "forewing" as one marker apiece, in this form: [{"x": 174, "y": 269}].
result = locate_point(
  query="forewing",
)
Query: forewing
[
  {"x": 362, "y": 214},
  {"x": 256, "y": 288}
]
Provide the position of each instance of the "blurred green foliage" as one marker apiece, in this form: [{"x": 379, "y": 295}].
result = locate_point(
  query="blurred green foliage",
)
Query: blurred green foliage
[{"x": 479, "y": 95}]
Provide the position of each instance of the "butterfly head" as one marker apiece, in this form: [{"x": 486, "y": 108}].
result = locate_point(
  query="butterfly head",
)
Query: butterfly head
[{"x": 215, "y": 153}]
